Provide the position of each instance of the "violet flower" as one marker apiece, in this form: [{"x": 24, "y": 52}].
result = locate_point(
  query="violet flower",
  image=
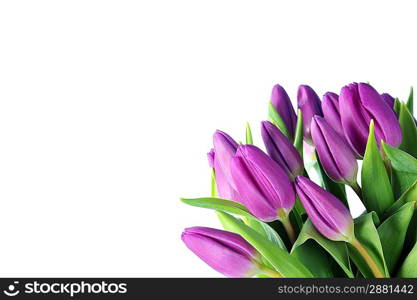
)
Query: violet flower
[
  {"x": 310, "y": 105},
  {"x": 359, "y": 104},
  {"x": 281, "y": 150}
]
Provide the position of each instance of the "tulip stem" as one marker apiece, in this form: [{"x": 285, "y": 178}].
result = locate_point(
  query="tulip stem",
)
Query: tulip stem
[
  {"x": 289, "y": 229},
  {"x": 368, "y": 259},
  {"x": 268, "y": 271},
  {"x": 355, "y": 186}
]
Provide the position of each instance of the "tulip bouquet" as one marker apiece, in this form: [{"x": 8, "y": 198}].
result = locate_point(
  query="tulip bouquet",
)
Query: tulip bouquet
[{"x": 285, "y": 212}]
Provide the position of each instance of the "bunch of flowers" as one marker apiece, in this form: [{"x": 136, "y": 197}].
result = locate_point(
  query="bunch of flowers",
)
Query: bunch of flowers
[{"x": 278, "y": 222}]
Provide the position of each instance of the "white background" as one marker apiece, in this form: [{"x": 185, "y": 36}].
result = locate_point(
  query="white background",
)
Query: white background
[{"x": 107, "y": 110}]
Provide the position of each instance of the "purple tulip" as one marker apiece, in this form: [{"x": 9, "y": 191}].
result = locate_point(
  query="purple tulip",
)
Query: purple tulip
[
  {"x": 310, "y": 105},
  {"x": 282, "y": 104},
  {"x": 361, "y": 103},
  {"x": 330, "y": 106},
  {"x": 281, "y": 150},
  {"x": 335, "y": 155},
  {"x": 328, "y": 214},
  {"x": 388, "y": 99},
  {"x": 210, "y": 157},
  {"x": 219, "y": 158},
  {"x": 262, "y": 184},
  {"x": 226, "y": 252}
]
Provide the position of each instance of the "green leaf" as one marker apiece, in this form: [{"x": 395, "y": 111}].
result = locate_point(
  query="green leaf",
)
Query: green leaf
[
  {"x": 409, "y": 195},
  {"x": 335, "y": 188},
  {"x": 219, "y": 205},
  {"x": 410, "y": 101},
  {"x": 392, "y": 234},
  {"x": 397, "y": 105},
  {"x": 376, "y": 187},
  {"x": 281, "y": 260},
  {"x": 337, "y": 250},
  {"x": 315, "y": 258},
  {"x": 411, "y": 237},
  {"x": 367, "y": 234},
  {"x": 276, "y": 119},
  {"x": 298, "y": 139},
  {"x": 409, "y": 267},
  {"x": 409, "y": 130},
  {"x": 404, "y": 169},
  {"x": 249, "y": 139},
  {"x": 266, "y": 231}
]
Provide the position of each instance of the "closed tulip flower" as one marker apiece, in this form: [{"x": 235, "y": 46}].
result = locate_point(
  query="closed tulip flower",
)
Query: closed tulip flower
[
  {"x": 226, "y": 252},
  {"x": 219, "y": 158},
  {"x": 331, "y": 218},
  {"x": 282, "y": 104},
  {"x": 335, "y": 155},
  {"x": 310, "y": 105},
  {"x": 328, "y": 214},
  {"x": 331, "y": 113},
  {"x": 390, "y": 100},
  {"x": 359, "y": 104},
  {"x": 263, "y": 186},
  {"x": 281, "y": 150}
]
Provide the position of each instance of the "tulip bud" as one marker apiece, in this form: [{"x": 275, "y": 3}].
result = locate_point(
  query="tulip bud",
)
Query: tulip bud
[
  {"x": 210, "y": 158},
  {"x": 335, "y": 155},
  {"x": 388, "y": 99},
  {"x": 262, "y": 184},
  {"x": 361, "y": 103},
  {"x": 310, "y": 105},
  {"x": 330, "y": 106},
  {"x": 226, "y": 252},
  {"x": 219, "y": 159},
  {"x": 281, "y": 150},
  {"x": 282, "y": 104},
  {"x": 225, "y": 148},
  {"x": 328, "y": 214}
]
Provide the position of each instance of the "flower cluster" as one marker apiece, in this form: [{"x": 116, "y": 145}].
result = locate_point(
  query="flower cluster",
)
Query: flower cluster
[{"x": 287, "y": 214}]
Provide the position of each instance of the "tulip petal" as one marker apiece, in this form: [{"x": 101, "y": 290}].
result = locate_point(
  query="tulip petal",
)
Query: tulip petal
[
  {"x": 224, "y": 251},
  {"x": 354, "y": 124},
  {"x": 281, "y": 149},
  {"x": 387, "y": 127},
  {"x": 330, "y": 106},
  {"x": 310, "y": 105},
  {"x": 335, "y": 155},
  {"x": 328, "y": 214},
  {"x": 262, "y": 184},
  {"x": 283, "y": 105}
]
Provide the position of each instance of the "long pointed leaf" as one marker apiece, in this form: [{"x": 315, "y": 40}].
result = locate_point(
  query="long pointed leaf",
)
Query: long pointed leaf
[
  {"x": 409, "y": 130},
  {"x": 281, "y": 260},
  {"x": 409, "y": 267},
  {"x": 249, "y": 139},
  {"x": 367, "y": 234},
  {"x": 219, "y": 205},
  {"x": 315, "y": 258},
  {"x": 409, "y": 195},
  {"x": 298, "y": 139},
  {"x": 376, "y": 187},
  {"x": 276, "y": 119},
  {"x": 337, "y": 250},
  {"x": 392, "y": 233},
  {"x": 404, "y": 169},
  {"x": 410, "y": 101}
]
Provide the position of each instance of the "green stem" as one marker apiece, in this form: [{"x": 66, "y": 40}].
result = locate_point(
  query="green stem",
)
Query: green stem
[
  {"x": 289, "y": 229},
  {"x": 368, "y": 259},
  {"x": 355, "y": 186}
]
